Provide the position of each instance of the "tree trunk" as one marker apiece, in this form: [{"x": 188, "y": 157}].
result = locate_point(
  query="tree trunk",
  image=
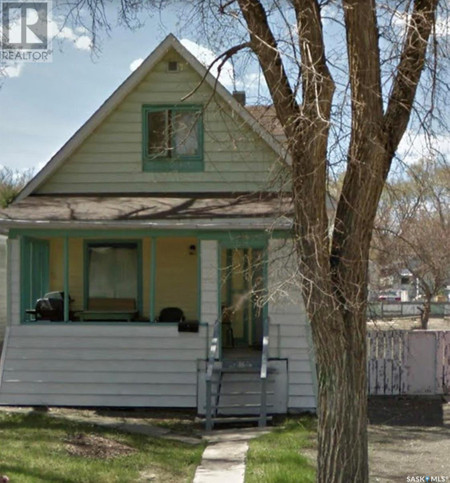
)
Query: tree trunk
[
  {"x": 425, "y": 313},
  {"x": 334, "y": 285},
  {"x": 340, "y": 342}
]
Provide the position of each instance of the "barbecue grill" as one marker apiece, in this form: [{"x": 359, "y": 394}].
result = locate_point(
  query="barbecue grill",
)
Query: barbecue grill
[{"x": 50, "y": 307}]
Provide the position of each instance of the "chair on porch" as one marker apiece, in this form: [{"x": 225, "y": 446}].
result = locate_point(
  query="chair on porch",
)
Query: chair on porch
[{"x": 171, "y": 314}]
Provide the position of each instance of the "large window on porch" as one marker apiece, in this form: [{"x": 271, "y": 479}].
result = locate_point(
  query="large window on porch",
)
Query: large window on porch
[{"x": 112, "y": 271}]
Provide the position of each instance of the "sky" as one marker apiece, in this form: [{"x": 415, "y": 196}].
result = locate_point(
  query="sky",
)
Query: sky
[{"x": 43, "y": 104}]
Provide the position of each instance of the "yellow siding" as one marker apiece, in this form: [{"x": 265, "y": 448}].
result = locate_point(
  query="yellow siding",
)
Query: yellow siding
[
  {"x": 176, "y": 273},
  {"x": 236, "y": 159},
  {"x": 146, "y": 258},
  {"x": 75, "y": 269}
]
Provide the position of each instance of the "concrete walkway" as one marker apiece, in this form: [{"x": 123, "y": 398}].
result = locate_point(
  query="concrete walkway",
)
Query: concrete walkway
[{"x": 223, "y": 460}]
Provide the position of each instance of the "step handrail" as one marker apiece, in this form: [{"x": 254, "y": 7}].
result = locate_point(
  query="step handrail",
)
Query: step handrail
[
  {"x": 212, "y": 354},
  {"x": 263, "y": 373}
]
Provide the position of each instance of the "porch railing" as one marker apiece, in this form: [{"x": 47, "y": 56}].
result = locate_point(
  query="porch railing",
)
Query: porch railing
[
  {"x": 263, "y": 373},
  {"x": 212, "y": 355}
]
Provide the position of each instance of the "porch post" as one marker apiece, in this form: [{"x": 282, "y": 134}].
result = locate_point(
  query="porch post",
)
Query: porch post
[
  {"x": 152, "y": 278},
  {"x": 66, "y": 279}
]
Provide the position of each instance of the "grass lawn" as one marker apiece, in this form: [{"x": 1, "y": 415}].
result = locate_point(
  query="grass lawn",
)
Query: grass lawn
[
  {"x": 37, "y": 448},
  {"x": 277, "y": 457}
]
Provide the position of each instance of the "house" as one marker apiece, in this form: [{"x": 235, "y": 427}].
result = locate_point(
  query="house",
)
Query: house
[{"x": 167, "y": 198}]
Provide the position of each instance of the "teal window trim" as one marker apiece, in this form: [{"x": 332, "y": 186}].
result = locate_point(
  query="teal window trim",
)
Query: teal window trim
[
  {"x": 111, "y": 242},
  {"x": 34, "y": 272},
  {"x": 152, "y": 281},
  {"x": 25, "y": 276},
  {"x": 66, "y": 278},
  {"x": 199, "y": 279},
  {"x": 155, "y": 163}
]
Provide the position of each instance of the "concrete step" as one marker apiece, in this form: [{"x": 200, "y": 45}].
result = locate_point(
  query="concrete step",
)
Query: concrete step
[
  {"x": 235, "y": 419},
  {"x": 241, "y": 370},
  {"x": 240, "y": 406}
]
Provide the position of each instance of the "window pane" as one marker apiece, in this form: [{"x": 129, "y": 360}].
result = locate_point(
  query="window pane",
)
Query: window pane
[
  {"x": 185, "y": 135},
  {"x": 113, "y": 272},
  {"x": 157, "y": 133}
]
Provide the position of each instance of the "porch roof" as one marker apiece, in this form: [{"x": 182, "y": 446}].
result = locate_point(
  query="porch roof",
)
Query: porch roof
[{"x": 147, "y": 210}]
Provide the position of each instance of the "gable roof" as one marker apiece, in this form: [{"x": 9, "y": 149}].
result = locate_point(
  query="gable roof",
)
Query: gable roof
[{"x": 126, "y": 88}]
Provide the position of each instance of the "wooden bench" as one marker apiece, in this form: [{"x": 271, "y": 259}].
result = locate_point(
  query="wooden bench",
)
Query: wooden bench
[{"x": 105, "y": 309}]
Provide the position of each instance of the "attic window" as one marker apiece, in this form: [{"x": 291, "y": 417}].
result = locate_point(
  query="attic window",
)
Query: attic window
[
  {"x": 172, "y": 138},
  {"x": 173, "y": 66}
]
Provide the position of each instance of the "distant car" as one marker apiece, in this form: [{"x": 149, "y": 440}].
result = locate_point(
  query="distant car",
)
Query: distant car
[{"x": 390, "y": 296}]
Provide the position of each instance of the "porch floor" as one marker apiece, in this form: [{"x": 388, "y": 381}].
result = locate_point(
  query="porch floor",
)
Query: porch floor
[{"x": 241, "y": 353}]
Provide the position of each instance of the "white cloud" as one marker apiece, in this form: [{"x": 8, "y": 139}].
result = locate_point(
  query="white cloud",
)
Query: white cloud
[
  {"x": 81, "y": 30},
  {"x": 402, "y": 20},
  {"x": 415, "y": 146},
  {"x": 61, "y": 33},
  {"x": 83, "y": 43},
  {"x": 77, "y": 36},
  {"x": 207, "y": 57},
  {"x": 135, "y": 64}
]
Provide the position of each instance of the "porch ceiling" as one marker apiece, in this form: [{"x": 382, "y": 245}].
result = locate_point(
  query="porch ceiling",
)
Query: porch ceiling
[{"x": 144, "y": 208}]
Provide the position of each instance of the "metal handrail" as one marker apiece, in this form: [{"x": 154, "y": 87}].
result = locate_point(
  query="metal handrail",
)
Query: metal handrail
[
  {"x": 263, "y": 373},
  {"x": 209, "y": 373}
]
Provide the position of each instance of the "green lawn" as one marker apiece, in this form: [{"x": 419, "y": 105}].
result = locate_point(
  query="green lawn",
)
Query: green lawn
[
  {"x": 36, "y": 448},
  {"x": 277, "y": 457}
]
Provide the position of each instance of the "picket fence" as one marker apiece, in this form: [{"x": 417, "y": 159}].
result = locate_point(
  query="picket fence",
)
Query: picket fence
[{"x": 408, "y": 362}]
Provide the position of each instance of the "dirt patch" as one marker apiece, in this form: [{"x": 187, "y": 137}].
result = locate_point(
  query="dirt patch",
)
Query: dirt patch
[
  {"x": 406, "y": 411},
  {"x": 407, "y": 437},
  {"x": 182, "y": 422},
  {"x": 94, "y": 446},
  {"x": 396, "y": 452}
]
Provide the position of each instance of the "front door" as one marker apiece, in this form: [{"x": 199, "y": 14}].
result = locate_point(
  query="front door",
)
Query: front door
[{"x": 242, "y": 297}]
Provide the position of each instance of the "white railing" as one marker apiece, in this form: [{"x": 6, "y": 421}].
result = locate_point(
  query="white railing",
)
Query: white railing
[
  {"x": 263, "y": 374},
  {"x": 212, "y": 355}
]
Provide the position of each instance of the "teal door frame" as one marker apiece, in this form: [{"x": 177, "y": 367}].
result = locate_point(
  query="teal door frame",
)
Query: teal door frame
[{"x": 258, "y": 242}]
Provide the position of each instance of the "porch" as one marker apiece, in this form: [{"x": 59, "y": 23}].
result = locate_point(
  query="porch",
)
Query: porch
[
  {"x": 146, "y": 279},
  {"x": 111, "y": 345},
  {"x": 143, "y": 362}
]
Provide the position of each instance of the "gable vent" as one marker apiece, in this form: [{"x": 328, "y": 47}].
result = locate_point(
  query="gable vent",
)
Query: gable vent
[{"x": 173, "y": 66}]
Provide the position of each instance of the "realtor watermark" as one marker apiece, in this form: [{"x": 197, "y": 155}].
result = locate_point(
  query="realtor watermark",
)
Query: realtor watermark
[
  {"x": 25, "y": 35},
  {"x": 427, "y": 479}
]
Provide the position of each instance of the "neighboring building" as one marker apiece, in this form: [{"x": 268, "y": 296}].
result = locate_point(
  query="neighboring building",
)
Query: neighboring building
[{"x": 158, "y": 202}]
